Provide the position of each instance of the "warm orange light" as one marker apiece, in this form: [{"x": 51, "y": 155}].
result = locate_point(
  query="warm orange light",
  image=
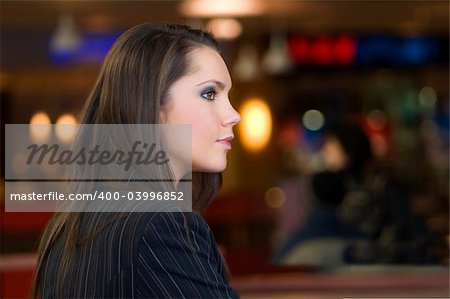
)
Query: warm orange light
[
  {"x": 255, "y": 127},
  {"x": 40, "y": 118},
  {"x": 221, "y": 8},
  {"x": 66, "y": 127},
  {"x": 40, "y": 128},
  {"x": 224, "y": 28}
]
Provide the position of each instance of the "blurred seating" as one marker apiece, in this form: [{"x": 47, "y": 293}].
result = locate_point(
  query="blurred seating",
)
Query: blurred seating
[
  {"x": 20, "y": 233},
  {"x": 243, "y": 227},
  {"x": 16, "y": 272}
]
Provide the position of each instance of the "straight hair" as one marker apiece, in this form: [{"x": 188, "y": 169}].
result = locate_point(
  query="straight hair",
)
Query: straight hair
[{"x": 132, "y": 88}]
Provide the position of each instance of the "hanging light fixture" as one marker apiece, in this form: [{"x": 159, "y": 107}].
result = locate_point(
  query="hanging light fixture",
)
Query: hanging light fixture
[
  {"x": 66, "y": 38},
  {"x": 246, "y": 67},
  {"x": 277, "y": 60}
]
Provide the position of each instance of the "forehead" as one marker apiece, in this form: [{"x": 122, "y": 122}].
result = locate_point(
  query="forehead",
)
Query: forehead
[{"x": 207, "y": 64}]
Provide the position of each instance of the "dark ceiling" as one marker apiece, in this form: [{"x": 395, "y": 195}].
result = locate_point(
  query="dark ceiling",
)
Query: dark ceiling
[{"x": 410, "y": 17}]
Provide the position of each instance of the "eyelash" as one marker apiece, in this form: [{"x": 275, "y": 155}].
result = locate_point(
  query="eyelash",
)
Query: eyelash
[{"x": 210, "y": 90}]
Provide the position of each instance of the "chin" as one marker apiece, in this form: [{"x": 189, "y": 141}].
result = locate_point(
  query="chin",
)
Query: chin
[{"x": 219, "y": 167}]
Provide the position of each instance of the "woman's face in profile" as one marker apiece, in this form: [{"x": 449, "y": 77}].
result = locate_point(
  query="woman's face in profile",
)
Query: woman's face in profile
[{"x": 200, "y": 99}]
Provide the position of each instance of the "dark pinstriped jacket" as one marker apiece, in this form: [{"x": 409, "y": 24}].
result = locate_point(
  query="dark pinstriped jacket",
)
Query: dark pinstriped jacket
[{"x": 141, "y": 255}]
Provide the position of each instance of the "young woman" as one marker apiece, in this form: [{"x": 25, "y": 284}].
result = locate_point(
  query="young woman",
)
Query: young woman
[{"x": 154, "y": 74}]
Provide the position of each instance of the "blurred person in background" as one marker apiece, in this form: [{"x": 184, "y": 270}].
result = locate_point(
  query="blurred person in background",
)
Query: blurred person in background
[{"x": 359, "y": 214}]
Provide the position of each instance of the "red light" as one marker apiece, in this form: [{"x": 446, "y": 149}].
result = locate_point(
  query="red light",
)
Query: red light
[
  {"x": 300, "y": 48},
  {"x": 324, "y": 51},
  {"x": 345, "y": 50}
]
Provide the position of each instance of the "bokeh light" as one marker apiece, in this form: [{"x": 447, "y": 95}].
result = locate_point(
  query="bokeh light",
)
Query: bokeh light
[
  {"x": 427, "y": 96},
  {"x": 256, "y": 124},
  {"x": 377, "y": 120},
  {"x": 40, "y": 128},
  {"x": 224, "y": 28},
  {"x": 313, "y": 120},
  {"x": 66, "y": 127},
  {"x": 275, "y": 197}
]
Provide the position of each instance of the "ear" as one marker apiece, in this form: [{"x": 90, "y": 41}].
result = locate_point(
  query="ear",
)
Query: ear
[{"x": 162, "y": 116}]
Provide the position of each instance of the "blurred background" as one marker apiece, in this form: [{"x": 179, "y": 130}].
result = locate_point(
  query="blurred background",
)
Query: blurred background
[{"x": 341, "y": 161}]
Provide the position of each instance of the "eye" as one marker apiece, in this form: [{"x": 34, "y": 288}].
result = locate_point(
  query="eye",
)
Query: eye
[{"x": 209, "y": 94}]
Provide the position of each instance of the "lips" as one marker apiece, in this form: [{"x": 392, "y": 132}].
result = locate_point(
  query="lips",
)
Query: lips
[{"x": 226, "y": 142}]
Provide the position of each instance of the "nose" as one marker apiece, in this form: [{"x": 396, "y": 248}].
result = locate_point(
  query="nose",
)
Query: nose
[{"x": 232, "y": 117}]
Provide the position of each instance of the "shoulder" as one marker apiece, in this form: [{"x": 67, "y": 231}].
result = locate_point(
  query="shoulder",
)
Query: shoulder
[
  {"x": 132, "y": 232},
  {"x": 178, "y": 257},
  {"x": 132, "y": 227},
  {"x": 177, "y": 230},
  {"x": 175, "y": 218}
]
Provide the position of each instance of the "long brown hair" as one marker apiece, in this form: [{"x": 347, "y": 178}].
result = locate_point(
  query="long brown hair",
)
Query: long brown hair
[{"x": 131, "y": 88}]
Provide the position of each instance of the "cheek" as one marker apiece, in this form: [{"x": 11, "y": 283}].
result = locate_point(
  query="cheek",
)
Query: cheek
[
  {"x": 202, "y": 124},
  {"x": 182, "y": 115},
  {"x": 201, "y": 119},
  {"x": 202, "y": 131}
]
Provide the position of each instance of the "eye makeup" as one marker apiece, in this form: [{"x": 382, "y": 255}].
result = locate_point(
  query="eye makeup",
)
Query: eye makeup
[{"x": 209, "y": 93}]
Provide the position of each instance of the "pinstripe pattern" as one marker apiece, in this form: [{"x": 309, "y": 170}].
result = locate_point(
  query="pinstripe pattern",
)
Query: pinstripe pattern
[{"x": 142, "y": 255}]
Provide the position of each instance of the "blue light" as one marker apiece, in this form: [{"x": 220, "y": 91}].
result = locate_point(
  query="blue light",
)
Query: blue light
[
  {"x": 313, "y": 138},
  {"x": 391, "y": 51},
  {"x": 374, "y": 50},
  {"x": 93, "y": 49},
  {"x": 415, "y": 50}
]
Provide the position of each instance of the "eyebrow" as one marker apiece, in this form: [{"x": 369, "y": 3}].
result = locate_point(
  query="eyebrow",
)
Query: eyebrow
[{"x": 220, "y": 84}]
